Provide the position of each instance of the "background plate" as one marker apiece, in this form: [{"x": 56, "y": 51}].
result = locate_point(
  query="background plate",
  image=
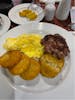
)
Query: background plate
[{"x": 14, "y": 13}]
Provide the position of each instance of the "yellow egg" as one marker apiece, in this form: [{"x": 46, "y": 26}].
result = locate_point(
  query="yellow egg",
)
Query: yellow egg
[
  {"x": 29, "y": 44},
  {"x": 10, "y": 44}
]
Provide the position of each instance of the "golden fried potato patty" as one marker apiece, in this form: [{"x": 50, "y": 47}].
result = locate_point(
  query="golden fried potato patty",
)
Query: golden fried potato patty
[
  {"x": 33, "y": 71},
  {"x": 21, "y": 66},
  {"x": 50, "y": 65},
  {"x": 10, "y": 58}
]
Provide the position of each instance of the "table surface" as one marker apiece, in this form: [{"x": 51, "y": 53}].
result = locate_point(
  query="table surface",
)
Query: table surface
[
  {"x": 65, "y": 24},
  {"x": 8, "y": 95}
]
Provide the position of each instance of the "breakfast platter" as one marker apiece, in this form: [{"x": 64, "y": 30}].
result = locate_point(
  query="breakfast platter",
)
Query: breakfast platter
[{"x": 38, "y": 81}]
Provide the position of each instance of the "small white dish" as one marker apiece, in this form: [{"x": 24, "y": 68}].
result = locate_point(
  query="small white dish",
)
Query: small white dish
[
  {"x": 14, "y": 13},
  {"x": 5, "y": 25}
]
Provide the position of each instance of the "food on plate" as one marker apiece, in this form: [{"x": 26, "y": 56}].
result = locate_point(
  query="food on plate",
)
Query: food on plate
[
  {"x": 55, "y": 45},
  {"x": 22, "y": 65},
  {"x": 29, "y": 54},
  {"x": 50, "y": 65},
  {"x": 23, "y": 13},
  {"x": 33, "y": 71},
  {"x": 10, "y": 44},
  {"x": 10, "y": 58},
  {"x": 31, "y": 15},
  {"x": 29, "y": 44},
  {"x": 18, "y": 63}
]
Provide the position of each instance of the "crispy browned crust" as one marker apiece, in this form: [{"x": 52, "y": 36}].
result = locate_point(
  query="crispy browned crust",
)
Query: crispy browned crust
[
  {"x": 21, "y": 66},
  {"x": 33, "y": 71},
  {"x": 10, "y": 58},
  {"x": 50, "y": 65}
]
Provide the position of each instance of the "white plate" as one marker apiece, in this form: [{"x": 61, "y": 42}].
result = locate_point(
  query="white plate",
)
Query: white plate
[
  {"x": 39, "y": 84},
  {"x": 5, "y": 24},
  {"x": 14, "y": 13}
]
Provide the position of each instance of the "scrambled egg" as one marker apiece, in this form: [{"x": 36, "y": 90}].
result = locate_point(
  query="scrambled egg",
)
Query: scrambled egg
[{"x": 29, "y": 44}]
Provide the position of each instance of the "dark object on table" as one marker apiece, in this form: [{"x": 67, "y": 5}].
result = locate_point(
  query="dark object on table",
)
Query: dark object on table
[
  {"x": 26, "y": 1},
  {"x": 55, "y": 45},
  {"x": 5, "y": 6}
]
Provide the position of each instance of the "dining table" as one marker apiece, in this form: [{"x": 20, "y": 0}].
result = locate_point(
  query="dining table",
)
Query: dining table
[{"x": 66, "y": 24}]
